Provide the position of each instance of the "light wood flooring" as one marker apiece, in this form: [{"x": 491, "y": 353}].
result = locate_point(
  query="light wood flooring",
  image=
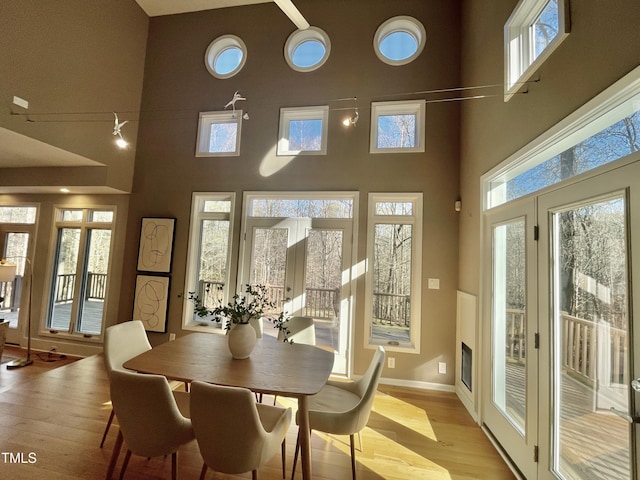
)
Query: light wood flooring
[{"x": 52, "y": 415}]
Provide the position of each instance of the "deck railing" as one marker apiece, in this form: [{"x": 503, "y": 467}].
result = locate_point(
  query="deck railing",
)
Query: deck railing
[
  {"x": 391, "y": 309},
  {"x": 66, "y": 284},
  {"x": 320, "y": 303},
  {"x": 592, "y": 351}
]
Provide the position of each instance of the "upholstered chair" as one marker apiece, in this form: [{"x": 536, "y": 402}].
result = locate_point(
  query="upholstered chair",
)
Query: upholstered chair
[
  {"x": 122, "y": 342},
  {"x": 234, "y": 433},
  {"x": 343, "y": 408},
  {"x": 151, "y": 425}
]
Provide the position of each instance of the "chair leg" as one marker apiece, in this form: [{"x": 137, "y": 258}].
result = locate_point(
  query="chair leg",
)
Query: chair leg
[
  {"x": 114, "y": 456},
  {"x": 125, "y": 463},
  {"x": 203, "y": 472},
  {"x": 174, "y": 465},
  {"x": 295, "y": 456},
  {"x": 106, "y": 429},
  {"x": 284, "y": 456},
  {"x": 353, "y": 456},
  {"x": 254, "y": 474}
]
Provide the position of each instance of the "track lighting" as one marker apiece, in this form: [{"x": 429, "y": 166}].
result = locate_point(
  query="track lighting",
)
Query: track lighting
[
  {"x": 351, "y": 121},
  {"x": 121, "y": 142}
]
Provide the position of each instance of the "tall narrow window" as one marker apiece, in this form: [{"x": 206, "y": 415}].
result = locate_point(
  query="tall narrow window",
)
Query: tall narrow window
[
  {"x": 393, "y": 273},
  {"x": 209, "y": 252},
  {"x": 80, "y": 273}
]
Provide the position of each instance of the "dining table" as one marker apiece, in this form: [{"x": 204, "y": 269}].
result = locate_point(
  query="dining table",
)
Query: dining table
[{"x": 274, "y": 367}]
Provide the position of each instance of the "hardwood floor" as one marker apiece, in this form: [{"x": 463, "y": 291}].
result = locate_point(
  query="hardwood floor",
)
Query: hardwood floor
[{"x": 52, "y": 415}]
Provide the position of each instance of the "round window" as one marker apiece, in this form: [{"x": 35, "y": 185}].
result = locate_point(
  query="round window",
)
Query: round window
[
  {"x": 306, "y": 50},
  {"x": 399, "y": 40},
  {"x": 225, "y": 56}
]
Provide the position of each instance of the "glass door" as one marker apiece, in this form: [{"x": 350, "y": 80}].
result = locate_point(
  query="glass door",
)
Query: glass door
[
  {"x": 510, "y": 405},
  {"x": 590, "y": 231},
  {"x": 302, "y": 262},
  {"x": 15, "y": 247}
]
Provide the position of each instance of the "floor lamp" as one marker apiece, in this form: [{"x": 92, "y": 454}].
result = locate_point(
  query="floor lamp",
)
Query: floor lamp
[{"x": 23, "y": 362}]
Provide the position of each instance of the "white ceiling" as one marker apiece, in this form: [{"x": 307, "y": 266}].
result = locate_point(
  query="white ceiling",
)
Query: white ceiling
[{"x": 155, "y": 8}]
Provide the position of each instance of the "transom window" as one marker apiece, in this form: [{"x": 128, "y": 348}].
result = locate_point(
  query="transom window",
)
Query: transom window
[
  {"x": 209, "y": 255},
  {"x": 303, "y": 130},
  {"x": 399, "y": 40},
  {"x": 307, "y": 50},
  {"x": 219, "y": 134},
  {"x": 532, "y": 32},
  {"x": 397, "y": 126},
  {"x": 393, "y": 277},
  {"x": 270, "y": 207},
  {"x": 18, "y": 214},
  {"x": 225, "y": 56},
  {"x": 604, "y": 130}
]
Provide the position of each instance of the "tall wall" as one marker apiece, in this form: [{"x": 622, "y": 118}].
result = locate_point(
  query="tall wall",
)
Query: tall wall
[
  {"x": 177, "y": 86},
  {"x": 71, "y": 56},
  {"x": 74, "y": 62},
  {"x": 604, "y": 45}
]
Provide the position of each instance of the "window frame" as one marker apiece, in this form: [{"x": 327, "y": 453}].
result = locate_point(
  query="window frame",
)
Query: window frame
[
  {"x": 198, "y": 215},
  {"x": 217, "y": 47},
  {"x": 403, "y": 107},
  {"x": 205, "y": 121},
  {"x": 416, "y": 220},
  {"x": 520, "y": 62},
  {"x": 84, "y": 224},
  {"x": 405, "y": 24},
  {"x": 289, "y": 114},
  {"x": 297, "y": 38},
  {"x": 599, "y": 112}
]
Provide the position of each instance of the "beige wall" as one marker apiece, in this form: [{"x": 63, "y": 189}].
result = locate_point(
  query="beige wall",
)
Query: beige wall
[
  {"x": 43, "y": 248},
  {"x": 604, "y": 45},
  {"x": 177, "y": 86},
  {"x": 73, "y": 56}
]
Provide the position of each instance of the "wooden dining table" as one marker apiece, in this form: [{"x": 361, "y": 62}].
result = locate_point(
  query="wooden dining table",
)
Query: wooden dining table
[{"x": 274, "y": 367}]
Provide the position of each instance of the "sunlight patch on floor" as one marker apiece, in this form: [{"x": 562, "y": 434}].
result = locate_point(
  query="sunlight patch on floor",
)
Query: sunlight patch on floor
[{"x": 405, "y": 414}]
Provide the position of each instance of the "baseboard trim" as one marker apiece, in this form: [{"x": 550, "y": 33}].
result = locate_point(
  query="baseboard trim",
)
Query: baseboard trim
[{"x": 395, "y": 382}]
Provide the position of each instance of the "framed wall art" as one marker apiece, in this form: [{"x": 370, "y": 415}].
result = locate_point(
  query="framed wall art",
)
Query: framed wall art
[
  {"x": 156, "y": 244},
  {"x": 151, "y": 302}
]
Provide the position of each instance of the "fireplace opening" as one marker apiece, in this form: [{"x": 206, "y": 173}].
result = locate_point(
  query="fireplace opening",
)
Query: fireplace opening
[{"x": 465, "y": 374}]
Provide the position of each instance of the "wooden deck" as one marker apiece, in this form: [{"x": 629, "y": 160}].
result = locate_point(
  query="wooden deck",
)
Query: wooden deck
[
  {"x": 592, "y": 439},
  {"x": 58, "y": 416}
]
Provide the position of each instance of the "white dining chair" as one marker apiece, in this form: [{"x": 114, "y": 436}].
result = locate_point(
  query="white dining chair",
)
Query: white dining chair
[
  {"x": 122, "y": 342},
  {"x": 299, "y": 330},
  {"x": 234, "y": 433},
  {"x": 151, "y": 425},
  {"x": 343, "y": 408}
]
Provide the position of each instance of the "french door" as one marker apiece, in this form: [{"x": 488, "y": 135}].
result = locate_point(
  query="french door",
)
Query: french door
[
  {"x": 588, "y": 232},
  {"x": 15, "y": 242},
  {"x": 511, "y": 398},
  {"x": 562, "y": 336},
  {"x": 305, "y": 264}
]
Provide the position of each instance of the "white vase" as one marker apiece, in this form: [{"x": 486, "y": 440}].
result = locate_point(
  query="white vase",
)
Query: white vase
[{"x": 242, "y": 339}]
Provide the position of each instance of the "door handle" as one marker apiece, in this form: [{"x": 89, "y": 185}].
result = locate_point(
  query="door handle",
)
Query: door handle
[
  {"x": 625, "y": 415},
  {"x": 635, "y": 384}
]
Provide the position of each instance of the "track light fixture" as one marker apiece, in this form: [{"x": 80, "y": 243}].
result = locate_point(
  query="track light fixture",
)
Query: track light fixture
[
  {"x": 351, "y": 121},
  {"x": 121, "y": 142}
]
